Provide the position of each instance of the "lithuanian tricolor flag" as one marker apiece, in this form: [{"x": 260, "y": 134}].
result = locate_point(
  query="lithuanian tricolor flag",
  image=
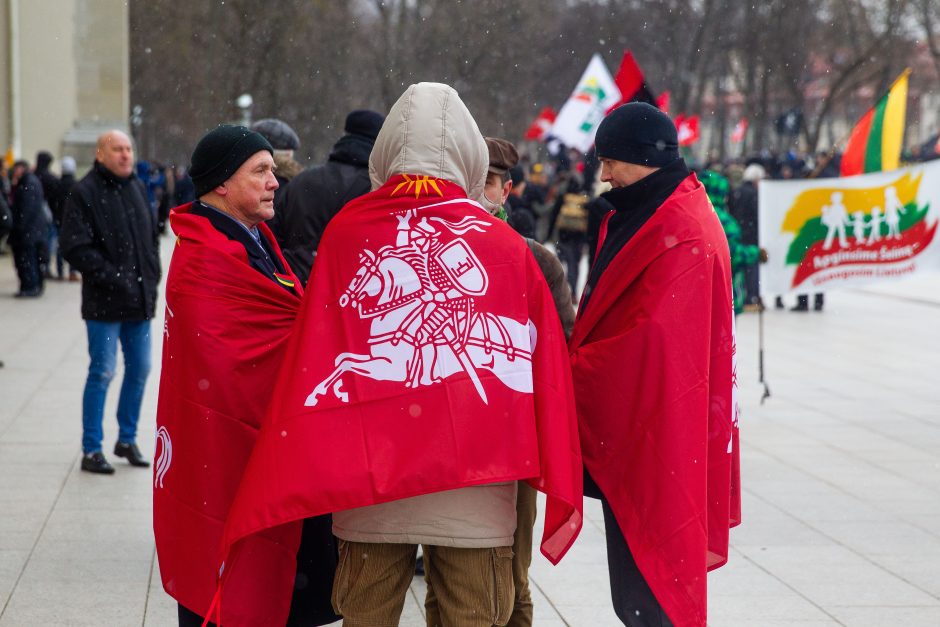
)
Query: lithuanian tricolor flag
[{"x": 875, "y": 142}]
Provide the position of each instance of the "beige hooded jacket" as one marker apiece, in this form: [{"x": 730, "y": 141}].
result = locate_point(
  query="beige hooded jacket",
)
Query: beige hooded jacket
[{"x": 430, "y": 131}]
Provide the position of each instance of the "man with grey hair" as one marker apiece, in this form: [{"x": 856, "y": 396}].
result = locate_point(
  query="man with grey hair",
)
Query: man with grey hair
[{"x": 110, "y": 235}]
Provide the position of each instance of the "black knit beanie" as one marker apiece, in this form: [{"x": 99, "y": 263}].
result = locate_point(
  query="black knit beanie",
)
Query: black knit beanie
[
  {"x": 639, "y": 133},
  {"x": 364, "y": 122},
  {"x": 220, "y": 153}
]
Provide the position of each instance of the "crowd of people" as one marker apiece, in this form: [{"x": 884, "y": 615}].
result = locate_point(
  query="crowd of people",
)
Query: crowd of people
[{"x": 382, "y": 352}]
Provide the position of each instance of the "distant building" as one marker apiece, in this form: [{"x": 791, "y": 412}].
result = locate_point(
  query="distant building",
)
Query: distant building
[{"x": 64, "y": 76}]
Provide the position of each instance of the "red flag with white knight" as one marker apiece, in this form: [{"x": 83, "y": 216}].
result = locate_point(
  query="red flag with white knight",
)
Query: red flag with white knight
[
  {"x": 411, "y": 341},
  {"x": 687, "y": 129},
  {"x": 541, "y": 125}
]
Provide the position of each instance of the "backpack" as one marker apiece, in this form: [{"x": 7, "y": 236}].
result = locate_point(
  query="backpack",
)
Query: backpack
[{"x": 573, "y": 215}]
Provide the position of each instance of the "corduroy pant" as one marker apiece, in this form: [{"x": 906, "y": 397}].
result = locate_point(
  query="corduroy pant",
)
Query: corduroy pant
[
  {"x": 473, "y": 587},
  {"x": 522, "y": 558}
]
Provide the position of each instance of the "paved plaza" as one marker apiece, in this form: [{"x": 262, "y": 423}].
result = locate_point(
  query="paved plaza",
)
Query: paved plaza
[{"x": 841, "y": 470}]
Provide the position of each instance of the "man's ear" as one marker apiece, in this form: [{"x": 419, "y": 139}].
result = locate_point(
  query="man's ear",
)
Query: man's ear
[
  {"x": 507, "y": 187},
  {"x": 221, "y": 190}
]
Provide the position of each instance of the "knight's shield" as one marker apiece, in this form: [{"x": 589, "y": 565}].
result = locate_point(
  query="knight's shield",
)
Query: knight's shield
[{"x": 463, "y": 268}]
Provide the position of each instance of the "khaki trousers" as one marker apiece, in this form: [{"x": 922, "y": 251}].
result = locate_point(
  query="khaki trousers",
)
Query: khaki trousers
[
  {"x": 522, "y": 559},
  {"x": 473, "y": 586}
]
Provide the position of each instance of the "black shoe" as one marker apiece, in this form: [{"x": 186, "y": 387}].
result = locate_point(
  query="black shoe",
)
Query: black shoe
[
  {"x": 131, "y": 453},
  {"x": 800, "y": 307},
  {"x": 419, "y": 566},
  {"x": 95, "y": 462},
  {"x": 778, "y": 303},
  {"x": 36, "y": 292}
]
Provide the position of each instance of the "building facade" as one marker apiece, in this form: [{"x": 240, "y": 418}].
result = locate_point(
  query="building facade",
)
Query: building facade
[{"x": 64, "y": 76}]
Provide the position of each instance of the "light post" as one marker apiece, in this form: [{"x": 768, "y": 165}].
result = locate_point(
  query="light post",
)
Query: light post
[
  {"x": 244, "y": 103},
  {"x": 137, "y": 120}
]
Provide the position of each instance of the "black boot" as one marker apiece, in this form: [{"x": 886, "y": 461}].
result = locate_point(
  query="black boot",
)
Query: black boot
[{"x": 802, "y": 303}]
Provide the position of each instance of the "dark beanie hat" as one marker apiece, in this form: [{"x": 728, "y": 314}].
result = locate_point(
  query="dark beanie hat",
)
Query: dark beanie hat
[
  {"x": 278, "y": 132},
  {"x": 364, "y": 122},
  {"x": 639, "y": 133},
  {"x": 220, "y": 153}
]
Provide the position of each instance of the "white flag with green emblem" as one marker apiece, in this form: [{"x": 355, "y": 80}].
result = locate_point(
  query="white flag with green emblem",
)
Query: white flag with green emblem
[{"x": 596, "y": 92}]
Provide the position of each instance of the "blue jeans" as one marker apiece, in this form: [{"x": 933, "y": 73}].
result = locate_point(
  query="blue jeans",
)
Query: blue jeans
[{"x": 102, "y": 348}]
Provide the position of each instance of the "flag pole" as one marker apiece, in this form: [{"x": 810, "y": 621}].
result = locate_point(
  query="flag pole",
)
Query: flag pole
[{"x": 760, "y": 353}]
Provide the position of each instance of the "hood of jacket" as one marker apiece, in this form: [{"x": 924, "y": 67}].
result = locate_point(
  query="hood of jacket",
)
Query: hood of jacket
[{"x": 430, "y": 131}]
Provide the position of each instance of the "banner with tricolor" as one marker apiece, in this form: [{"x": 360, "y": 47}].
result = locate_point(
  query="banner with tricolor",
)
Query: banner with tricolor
[
  {"x": 580, "y": 116},
  {"x": 823, "y": 234},
  {"x": 875, "y": 142}
]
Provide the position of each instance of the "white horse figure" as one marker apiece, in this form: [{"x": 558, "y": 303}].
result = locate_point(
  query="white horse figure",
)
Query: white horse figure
[{"x": 420, "y": 335}]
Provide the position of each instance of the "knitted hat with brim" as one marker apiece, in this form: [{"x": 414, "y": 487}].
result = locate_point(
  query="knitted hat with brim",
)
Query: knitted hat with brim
[
  {"x": 220, "y": 153},
  {"x": 638, "y": 133}
]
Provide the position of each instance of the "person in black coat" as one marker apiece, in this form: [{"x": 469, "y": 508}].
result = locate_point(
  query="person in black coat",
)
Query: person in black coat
[
  {"x": 522, "y": 215},
  {"x": 744, "y": 210},
  {"x": 317, "y": 194},
  {"x": 29, "y": 232},
  {"x": 110, "y": 234},
  {"x": 66, "y": 183}
]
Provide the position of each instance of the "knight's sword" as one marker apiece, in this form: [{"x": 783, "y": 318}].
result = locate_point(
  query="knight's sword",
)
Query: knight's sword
[{"x": 465, "y": 361}]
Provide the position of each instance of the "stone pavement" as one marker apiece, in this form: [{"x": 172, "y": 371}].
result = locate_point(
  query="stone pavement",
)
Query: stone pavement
[{"x": 841, "y": 474}]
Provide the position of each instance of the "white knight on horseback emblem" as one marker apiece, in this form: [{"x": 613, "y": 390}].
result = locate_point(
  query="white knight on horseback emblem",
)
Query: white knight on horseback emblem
[{"x": 421, "y": 297}]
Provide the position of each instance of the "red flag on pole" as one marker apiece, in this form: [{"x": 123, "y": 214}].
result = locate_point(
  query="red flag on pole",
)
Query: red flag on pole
[
  {"x": 631, "y": 82},
  {"x": 740, "y": 130},
  {"x": 541, "y": 125},
  {"x": 687, "y": 128},
  {"x": 663, "y": 102}
]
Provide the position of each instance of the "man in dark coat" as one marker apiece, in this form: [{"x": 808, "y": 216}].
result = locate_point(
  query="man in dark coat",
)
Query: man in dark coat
[
  {"x": 110, "y": 234},
  {"x": 652, "y": 363},
  {"x": 66, "y": 183},
  {"x": 30, "y": 228},
  {"x": 53, "y": 196},
  {"x": 317, "y": 194},
  {"x": 744, "y": 210}
]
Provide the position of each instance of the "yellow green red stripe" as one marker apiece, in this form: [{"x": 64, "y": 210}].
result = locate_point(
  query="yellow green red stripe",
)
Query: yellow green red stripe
[{"x": 875, "y": 142}]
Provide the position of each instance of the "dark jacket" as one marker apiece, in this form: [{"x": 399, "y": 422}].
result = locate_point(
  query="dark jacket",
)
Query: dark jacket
[
  {"x": 521, "y": 216},
  {"x": 744, "y": 210},
  {"x": 6, "y": 217},
  {"x": 66, "y": 183},
  {"x": 554, "y": 274},
  {"x": 317, "y": 194},
  {"x": 109, "y": 233},
  {"x": 29, "y": 221},
  {"x": 50, "y": 182}
]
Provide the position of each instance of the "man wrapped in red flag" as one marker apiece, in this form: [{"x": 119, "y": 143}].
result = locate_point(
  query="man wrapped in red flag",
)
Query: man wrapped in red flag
[
  {"x": 652, "y": 361},
  {"x": 427, "y": 372},
  {"x": 231, "y": 302}
]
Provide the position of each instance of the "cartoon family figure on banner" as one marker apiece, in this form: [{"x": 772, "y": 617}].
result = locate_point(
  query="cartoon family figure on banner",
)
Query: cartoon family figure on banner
[
  {"x": 827, "y": 233},
  {"x": 421, "y": 296},
  {"x": 835, "y": 217}
]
